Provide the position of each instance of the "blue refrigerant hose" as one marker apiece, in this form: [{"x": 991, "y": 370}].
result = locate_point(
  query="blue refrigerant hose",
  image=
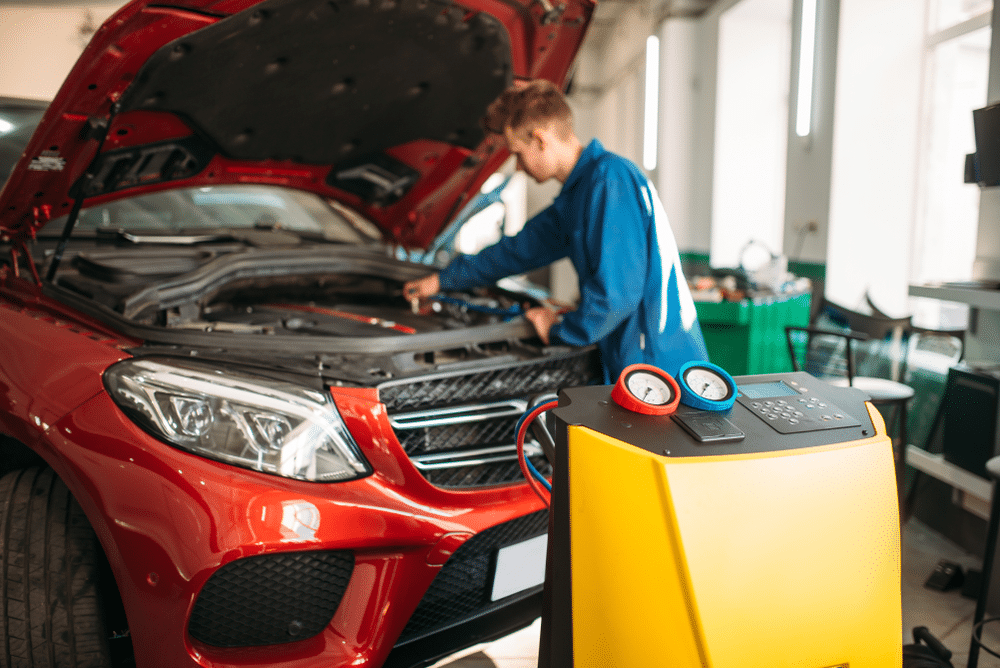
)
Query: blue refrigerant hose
[
  {"x": 520, "y": 429},
  {"x": 507, "y": 313}
]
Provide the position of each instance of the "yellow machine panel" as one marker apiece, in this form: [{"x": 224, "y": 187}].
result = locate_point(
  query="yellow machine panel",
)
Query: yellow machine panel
[{"x": 772, "y": 556}]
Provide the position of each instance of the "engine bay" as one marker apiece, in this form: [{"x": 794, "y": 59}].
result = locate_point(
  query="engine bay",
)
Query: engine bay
[{"x": 343, "y": 294}]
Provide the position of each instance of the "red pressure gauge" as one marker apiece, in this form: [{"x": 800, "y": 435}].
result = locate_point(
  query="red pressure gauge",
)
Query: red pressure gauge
[{"x": 642, "y": 388}]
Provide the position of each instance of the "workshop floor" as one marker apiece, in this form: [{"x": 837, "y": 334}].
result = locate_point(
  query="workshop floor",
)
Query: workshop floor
[{"x": 948, "y": 615}]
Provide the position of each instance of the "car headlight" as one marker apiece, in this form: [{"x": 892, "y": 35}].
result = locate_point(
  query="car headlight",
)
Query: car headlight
[{"x": 241, "y": 419}]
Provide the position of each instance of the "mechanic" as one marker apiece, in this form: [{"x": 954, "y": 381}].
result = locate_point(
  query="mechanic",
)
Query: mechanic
[{"x": 634, "y": 300}]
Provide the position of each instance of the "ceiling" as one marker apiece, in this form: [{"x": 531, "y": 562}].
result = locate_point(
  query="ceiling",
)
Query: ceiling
[
  {"x": 605, "y": 15},
  {"x": 608, "y": 11}
]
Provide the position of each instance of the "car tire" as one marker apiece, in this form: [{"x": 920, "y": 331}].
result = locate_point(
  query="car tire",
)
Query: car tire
[{"x": 50, "y": 607}]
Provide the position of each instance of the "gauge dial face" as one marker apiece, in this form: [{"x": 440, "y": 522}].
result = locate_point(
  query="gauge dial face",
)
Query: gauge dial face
[
  {"x": 706, "y": 386},
  {"x": 649, "y": 388},
  {"x": 643, "y": 388},
  {"x": 707, "y": 383}
]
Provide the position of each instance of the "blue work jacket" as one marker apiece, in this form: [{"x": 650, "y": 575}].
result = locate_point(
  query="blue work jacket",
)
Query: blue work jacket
[{"x": 634, "y": 300}]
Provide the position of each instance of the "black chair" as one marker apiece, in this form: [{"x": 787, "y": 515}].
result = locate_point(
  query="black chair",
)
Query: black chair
[
  {"x": 931, "y": 354},
  {"x": 948, "y": 342},
  {"x": 866, "y": 351},
  {"x": 979, "y": 619}
]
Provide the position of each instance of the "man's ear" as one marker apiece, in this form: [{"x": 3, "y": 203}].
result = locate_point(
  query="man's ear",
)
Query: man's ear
[
  {"x": 519, "y": 135},
  {"x": 541, "y": 136}
]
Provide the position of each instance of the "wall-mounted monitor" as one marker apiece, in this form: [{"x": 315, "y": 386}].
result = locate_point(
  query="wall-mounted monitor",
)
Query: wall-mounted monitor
[{"x": 987, "y": 156}]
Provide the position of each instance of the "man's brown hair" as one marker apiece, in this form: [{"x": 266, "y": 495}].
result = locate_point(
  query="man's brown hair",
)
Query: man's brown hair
[{"x": 527, "y": 106}]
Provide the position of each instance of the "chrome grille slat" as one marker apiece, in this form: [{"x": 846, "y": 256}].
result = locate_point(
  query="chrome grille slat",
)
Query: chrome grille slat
[
  {"x": 503, "y": 453},
  {"x": 449, "y": 415},
  {"x": 458, "y": 428}
]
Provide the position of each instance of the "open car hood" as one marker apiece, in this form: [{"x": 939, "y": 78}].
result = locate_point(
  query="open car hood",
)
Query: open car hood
[{"x": 374, "y": 103}]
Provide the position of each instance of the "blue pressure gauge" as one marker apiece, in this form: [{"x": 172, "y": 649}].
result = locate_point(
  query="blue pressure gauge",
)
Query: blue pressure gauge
[{"x": 706, "y": 386}]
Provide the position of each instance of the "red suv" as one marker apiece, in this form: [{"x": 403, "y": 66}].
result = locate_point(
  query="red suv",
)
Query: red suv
[{"x": 226, "y": 439}]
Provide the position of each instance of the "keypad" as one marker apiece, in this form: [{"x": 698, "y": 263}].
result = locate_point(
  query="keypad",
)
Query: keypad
[{"x": 805, "y": 412}]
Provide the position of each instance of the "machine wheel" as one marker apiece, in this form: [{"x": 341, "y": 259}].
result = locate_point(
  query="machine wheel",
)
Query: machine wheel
[{"x": 50, "y": 609}]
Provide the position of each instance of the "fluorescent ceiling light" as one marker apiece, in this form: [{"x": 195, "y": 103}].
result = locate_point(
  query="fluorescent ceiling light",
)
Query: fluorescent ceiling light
[
  {"x": 652, "y": 102},
  {"x": 807, "y": 58}
]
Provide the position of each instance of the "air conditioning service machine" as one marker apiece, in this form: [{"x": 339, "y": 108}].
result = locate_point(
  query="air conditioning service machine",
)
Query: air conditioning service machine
[{"x": 716, "y": 522}]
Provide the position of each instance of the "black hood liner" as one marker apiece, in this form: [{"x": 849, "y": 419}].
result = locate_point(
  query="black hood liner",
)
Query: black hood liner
[
  {"x": 143, "y": 165},
  {"x": 328, "y": 81}
]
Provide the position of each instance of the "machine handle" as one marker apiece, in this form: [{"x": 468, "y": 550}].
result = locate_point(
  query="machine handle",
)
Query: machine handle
[{"x": 921, "y": 633}]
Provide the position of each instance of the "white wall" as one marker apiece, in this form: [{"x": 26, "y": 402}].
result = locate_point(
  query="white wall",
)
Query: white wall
[
  {"x": 807, "y": 202},
  {"x": 677, "y": 147},
  {"x": 706, "y": 47},
  {"x": 686, "y": 177},
  {"x": 751, "y": 128},
  {"x": 609, "y": 83},
  {"x": 40, "y": 44},
  {"x": 874, "y": 164}
]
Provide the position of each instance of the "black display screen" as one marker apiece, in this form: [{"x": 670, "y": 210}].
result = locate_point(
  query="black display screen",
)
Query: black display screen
[{"x": 766, "y": 390}]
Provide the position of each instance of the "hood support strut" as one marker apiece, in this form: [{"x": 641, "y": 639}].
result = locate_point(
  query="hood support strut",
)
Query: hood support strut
[
  {"x": 96, "y": 128},
  {"x": 16, "y": 251}
]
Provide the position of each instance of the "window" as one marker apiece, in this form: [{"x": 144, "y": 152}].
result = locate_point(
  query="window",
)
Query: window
[
  {"x": 909, "y": 75},
  {"x": 956, "y": 70},
  {"x": 947, "y": 13}
]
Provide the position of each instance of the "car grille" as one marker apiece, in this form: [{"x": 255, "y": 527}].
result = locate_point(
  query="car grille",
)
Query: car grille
[
  {"x": 462, "y": 589},
  {"x": 458, "y": 428},
  {"x": 271, "y": 599}
]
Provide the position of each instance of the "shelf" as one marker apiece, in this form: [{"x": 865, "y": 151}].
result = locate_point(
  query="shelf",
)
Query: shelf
[
  {"x": 985, "y": 298},
  {"x": 976, "y": 492}
]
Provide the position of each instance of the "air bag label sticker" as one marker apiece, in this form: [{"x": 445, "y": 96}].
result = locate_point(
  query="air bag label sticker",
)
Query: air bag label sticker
[{"x": 48, "y": 161}]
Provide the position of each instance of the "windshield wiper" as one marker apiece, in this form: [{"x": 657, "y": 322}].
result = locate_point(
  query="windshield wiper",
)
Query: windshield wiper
[
  {"x": 248, "y": 236},
  {"x": 179, "y": 239}
]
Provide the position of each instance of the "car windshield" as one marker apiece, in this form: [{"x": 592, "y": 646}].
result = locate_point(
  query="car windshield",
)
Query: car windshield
[
  {"x": 223, "y": 208},
  {"x": 17, "y": 122}
]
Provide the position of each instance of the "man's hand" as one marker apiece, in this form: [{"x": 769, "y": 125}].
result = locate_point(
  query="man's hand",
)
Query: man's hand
[
  {"x": 422, "y": 288},
  {"x": 542, "y": 318}
]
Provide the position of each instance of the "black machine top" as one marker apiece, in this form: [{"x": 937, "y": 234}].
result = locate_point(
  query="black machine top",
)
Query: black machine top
[{"x": 772, "y": 413}]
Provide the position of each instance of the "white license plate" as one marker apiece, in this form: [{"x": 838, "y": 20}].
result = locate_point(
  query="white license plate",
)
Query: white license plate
[{"x": 520, "y": 566}]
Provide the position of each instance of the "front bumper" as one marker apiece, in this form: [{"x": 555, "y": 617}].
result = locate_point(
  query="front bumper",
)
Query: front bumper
[{"x": 225, "y": 567}]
